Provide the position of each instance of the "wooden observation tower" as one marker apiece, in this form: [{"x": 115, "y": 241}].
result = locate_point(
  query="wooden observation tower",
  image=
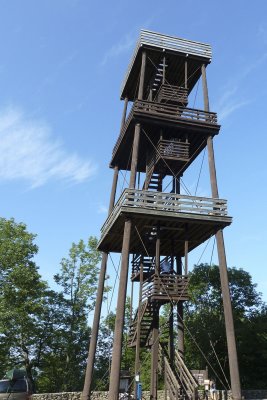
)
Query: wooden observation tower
[{"x": 152, "y": 224}]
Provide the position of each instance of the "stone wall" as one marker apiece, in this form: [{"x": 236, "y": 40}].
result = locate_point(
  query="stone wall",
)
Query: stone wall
[{"x": 221, "y": 395}]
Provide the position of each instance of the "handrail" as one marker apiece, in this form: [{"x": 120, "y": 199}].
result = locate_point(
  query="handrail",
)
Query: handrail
[
  {"x": 168, "y": 149},
  {"x": 168, "y": 110},
  {"x": 175, "y": 111},
  {"x": 165, "y": 285},
  {"x": 186, "y": 375},
  {"x": 167, "y": 202},
  {"x": 181, "y": 376}
]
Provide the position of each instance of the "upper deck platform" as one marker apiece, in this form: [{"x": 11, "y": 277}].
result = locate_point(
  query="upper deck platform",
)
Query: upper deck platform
[{"x": 176, "y": 51}]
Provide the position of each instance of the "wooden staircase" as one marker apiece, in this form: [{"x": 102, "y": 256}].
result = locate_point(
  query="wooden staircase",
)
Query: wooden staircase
[
  {"x": 146, "y": 319},
  {"x": 148, "y": 265},
  {"x": 179, "y": 382}
]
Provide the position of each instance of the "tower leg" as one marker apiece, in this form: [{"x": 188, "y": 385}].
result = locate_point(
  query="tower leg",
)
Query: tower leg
[
  {"x": 119, "y": 322},
  {"x": 155, "y": 331},
  {"x": 180, "y": 314},
  {"x": 99, "y": 298},
  {"x": 228, "y": 316},
  {"x": 94, "y": 334},
  {"x": 137, "y": 348},
  {"x": 228, "y": 313},
  {"x": 154, "y": 358},
  {"x": 171, "y": 335}
]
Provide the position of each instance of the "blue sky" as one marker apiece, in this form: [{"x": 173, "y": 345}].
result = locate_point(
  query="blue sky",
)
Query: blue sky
[{"x": 61, "y": 66}]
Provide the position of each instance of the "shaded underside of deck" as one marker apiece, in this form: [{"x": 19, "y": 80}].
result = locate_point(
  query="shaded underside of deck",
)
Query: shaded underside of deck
[
  {"x": 174, "y": 230},
  {"x": 151, "y": 126}
]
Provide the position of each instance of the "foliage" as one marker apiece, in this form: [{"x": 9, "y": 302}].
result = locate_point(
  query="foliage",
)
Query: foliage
[
  {"x": 205, "y": 318},
  {"x": 48, "y": 331},
  {"x": 24, "y": 299},
  {"x": 78, "y": 282}
]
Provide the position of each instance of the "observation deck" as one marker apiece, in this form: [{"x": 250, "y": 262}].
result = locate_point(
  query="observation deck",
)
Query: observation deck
[
  {"x": 178, "y": 122},
  {"x": 181, "y": 218},
  {"x": 176, "y": 50}
]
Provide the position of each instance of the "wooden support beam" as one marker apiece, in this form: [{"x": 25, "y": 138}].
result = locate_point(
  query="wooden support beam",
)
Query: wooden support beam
[
  {"x": 185, "y": 74},
  {"x": 154, "y": 357},
  {"x": 86, "y": 394},
  {"x": 155, "y": 331},
  {"x": 120, "y": 311},
  {"x": 137, "y": 349},
  {"x": 180, "y": 312},
  {"x": 228, "y": 313},
  {"x": 124, "y": 113},
  {"x": 164, "y": 70},
  {"x": 171, "y": 335},
  {"x": 142, "y": 77},
  {"x": 135, "y": 156}
]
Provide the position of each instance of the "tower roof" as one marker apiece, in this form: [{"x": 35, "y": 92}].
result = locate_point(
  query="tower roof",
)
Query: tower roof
[{"x": 176, "y": 50}]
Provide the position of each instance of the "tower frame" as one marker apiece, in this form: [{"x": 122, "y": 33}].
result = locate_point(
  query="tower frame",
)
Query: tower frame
[{"x": 162, "y": 136}]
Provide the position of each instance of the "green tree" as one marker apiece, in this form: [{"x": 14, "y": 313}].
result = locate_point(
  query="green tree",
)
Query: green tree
[
  {"x": 204, "y": 318},
  {"x": 77, "y": 278},
  {"x": 23, "y": 299}
]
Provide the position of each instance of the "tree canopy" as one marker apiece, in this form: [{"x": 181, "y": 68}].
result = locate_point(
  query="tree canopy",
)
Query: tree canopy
[
  {"x": 47, "y": 331},
  {"x": 204, "y": 318}
]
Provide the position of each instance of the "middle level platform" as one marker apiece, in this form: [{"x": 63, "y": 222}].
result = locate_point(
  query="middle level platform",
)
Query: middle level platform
[
  {"x": 180, "y": 218},
  {"x": 174, "y": 121}
]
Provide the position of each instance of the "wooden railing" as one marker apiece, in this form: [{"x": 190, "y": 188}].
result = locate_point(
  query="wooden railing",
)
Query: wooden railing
[
  {"x": 173, "y": 112},
  {"x": 148, "y": 264},
  {"x": 166, "y": 202},
  {"x": 165, "y": 285},
  {"x": 172, "y": 94},
  {"x": 169, "y": 149},
  {"x": 172, "y": 148},
  {"x": 185, "y": 376},
  {"x": 180, "y": 382}
]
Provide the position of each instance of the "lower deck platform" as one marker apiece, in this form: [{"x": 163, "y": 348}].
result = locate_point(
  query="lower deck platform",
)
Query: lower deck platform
[{"x": 179, "y": 217}]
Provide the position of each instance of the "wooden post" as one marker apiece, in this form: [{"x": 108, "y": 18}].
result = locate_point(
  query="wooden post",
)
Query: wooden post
[
  {"x": 124, "y": 113},
  {"x": 228, "y": 314},
  {"x": 186, "y": 257},
  {"x": 185, "y": 73},
  {"x": 131, "y": 303},
  {"x": 154, "y": 357},
  {"x": 180, "y": 312},
  {"x": 180, "y": 305},
  {"x": 171, "y": 336},
  {"x": 142, "y": 77},
  {"x": 135, "y": 156},
  {"x": 120, "y": 311},
  {"x": 155, "y": 330},
  {"x": 113, "y": 189},
  {"x": 164, "y": 70},
  {"x": 119, "y": 322},
  {"x": 99, "y": 298},
  {"x": 137, "y": 348}
]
